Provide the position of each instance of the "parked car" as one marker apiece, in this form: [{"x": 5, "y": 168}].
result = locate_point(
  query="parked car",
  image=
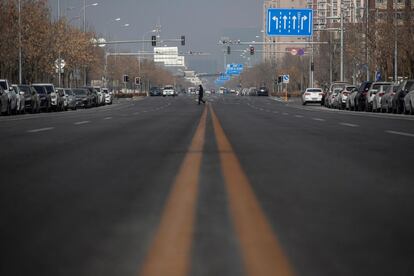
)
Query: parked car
[
  {"x": 334, "y": 85},
  {"x": 84, "y": 97},
  {"x": 12, "y": 97},
  {"x": 359, "y": 98},
  {"x": 44, "y": 97},
  {"x": 376, "y": 100},
  {"x": 32, "y": 101},
  {"x": 93, "y": 95},
  {"x": 342, "y": 97},
  {"x": 398, "y": 99},
  {"x": 375, "y": 88},
  {"x": 108, "y": 96},
  {"x": 312, "y": 95},
  {"x": 156, "y": 91},
  {"x": 331, "y": 101},
  {"x": 409, "y": 103},
  {"x": 350, "y": 101},
  {"x": 56, "y": 99},
  {"x": 252, "y": 91},
  {"x": 4, "y": 101},
  {"x": 386, "y": 99},
  {"x": 263, "y": 91},
  {"x": 20, "y": 99},
  {"x": 101, "y": 96},
  {"x": 69, "y": 98}
]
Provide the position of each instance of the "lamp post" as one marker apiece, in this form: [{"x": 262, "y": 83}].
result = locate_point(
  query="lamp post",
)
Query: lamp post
[
  {"x": 84, "y": 30},
  {"x": 395, "y": 43},
  {"x": 20, "y": 45}
]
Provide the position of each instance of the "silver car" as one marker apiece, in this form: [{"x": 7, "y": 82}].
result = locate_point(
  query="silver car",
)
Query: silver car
[
  {"x": 4, "y": 101},
  {"x": 12, "y": 97},
  {"x": 386, "y": 99},
  {"x": 376, "y": 101},
  {"x": 21, "y": 101},
  {"x": 409, "y": 103},
  {"x": 375, "y": 88}
]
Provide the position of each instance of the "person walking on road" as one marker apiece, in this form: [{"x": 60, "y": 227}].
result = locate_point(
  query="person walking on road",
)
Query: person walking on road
[{"x": 201, "y": 94}]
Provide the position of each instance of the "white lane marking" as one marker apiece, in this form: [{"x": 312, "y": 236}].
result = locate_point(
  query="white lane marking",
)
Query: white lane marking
[
  {"x": 319, "y": 119},
  {"x": 298, "y": 116},
  {"x": 81, "y": 123},
  {"x": 40, "y": 129},
  {"x": 349, "y": 125},
  {"x": 108, "y": 118},
  {"x": 400, "y": 133}
]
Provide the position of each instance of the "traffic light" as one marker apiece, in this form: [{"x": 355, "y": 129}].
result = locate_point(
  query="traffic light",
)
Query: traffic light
[
  {"x": 126, "y": 78},
  {"x": 228, "y": 50},
  {"x": 153, "y": 40},
  {"x": 137, "y": 80},
  {"x": 280, "y": 79},
  {"x": 182, "y": 40},
  {"x": 251, "y": 50}
]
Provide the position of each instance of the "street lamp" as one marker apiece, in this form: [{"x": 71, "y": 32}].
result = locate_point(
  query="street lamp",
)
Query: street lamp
[
  {"x": 84, "y": 30},
  {"x": 84, "y": 12}
]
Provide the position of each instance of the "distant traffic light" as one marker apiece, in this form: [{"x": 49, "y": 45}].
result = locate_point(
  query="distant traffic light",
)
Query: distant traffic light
[
  {"x": 182, "y": 40},
  {"x": 137, "y": 80},
  {"x": 126, "y": 78},
  {"x": 228, "y": 50},
  {"x": 251, "y": 50},
  {"x": 154, "y": 40},
  {"x": 280, "y": 79}
]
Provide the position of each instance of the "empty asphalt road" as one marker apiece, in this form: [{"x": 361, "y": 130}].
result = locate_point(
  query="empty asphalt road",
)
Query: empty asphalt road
[{"x": 239, "y": 186}]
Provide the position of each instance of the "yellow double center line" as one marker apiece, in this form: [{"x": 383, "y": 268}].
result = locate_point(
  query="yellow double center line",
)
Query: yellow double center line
[{"x": 170, "y": 252}]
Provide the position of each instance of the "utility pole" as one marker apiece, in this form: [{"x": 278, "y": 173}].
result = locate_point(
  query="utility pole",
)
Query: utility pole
[
  {"x": 20, "y": 44},
  {"x": 366, "y": 38},
  {"x": 342, "y": 45},
  {"x": 395, "y": 43},
  {"x": 59, "y": 58}
]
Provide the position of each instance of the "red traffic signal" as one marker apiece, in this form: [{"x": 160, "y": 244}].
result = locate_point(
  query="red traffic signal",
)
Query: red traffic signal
[{"x": 251, "y": 50}]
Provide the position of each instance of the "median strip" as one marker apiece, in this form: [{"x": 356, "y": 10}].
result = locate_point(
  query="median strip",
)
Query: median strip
[
  {"x": 170, "y": 251},
  {"x": 261, "y": 251}
]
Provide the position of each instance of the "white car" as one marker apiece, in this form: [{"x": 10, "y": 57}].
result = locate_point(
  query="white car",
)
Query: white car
[
  {"x": 12, "y": 96},
  {"x": 343, "y": 96},
  {"x": 101, "y": 95},
  {"x": 168, "y": 91},
  {"x": 108, "y": 96},
  {"x": 312, "y": 95},
  {"x": 373, "y": 90}
]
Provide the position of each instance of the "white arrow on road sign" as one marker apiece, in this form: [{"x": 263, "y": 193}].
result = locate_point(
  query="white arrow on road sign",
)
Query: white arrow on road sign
[
  {"x": 294, "y": 21},
  {"x": 277, "y": 21},
  {"x": 303, "y": 19}
]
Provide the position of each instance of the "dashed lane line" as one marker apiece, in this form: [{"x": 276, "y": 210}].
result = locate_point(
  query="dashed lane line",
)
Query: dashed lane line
[
  {"x": 349, "y": 125},
  {"x": 40, "y": 129},
  {"x": 319, "y": 119},
  {"x": 400, "y": 133},
  {"x": 108, "y": 118},
  {"x": 81, "y": 123},
  {"x": 298, "y": 116}
]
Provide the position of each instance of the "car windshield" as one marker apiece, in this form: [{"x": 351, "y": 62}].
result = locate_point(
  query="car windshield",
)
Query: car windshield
[
  {"x": 79, "y": 92},
  {"x": 3, "y": 85},
  {"x": 40, "y": 89},
  {"x": 168, "y": 87},
  {"x": 68, "y": 92},
  {"x": 378, "y": 86},
  {"x": 314, "y": 90},
  {"x": 409, "y": 86},
  {"x": 49, "y": 89},
  {"x": 25, "y": 89}
]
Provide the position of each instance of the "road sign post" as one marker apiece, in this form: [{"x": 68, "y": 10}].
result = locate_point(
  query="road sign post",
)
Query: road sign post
[{"x": 289, "y": 22}]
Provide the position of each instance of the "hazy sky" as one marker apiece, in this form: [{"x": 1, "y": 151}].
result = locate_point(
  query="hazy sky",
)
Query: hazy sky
[{"x": 203, "y": 22}]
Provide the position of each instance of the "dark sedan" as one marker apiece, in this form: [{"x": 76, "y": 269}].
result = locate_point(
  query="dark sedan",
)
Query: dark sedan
[
  {"x": 44, "y": 98},
  {"x": 83, "y": 97},
  {"x": 32, "y": 100},
  {"x": 263, "y": 91}
]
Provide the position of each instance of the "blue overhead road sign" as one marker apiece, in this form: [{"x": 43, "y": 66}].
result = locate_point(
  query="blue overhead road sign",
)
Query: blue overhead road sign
[
  {"x": 289, "y": 22},
  {"x": 234, "y": 69}
]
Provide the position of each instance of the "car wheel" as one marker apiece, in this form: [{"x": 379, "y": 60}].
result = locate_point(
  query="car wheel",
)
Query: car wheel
[{"x": 304, "y": 103}]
